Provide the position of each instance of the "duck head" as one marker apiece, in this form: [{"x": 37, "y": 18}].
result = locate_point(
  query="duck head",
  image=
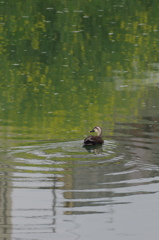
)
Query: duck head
[{"x": 98, "y": 130}]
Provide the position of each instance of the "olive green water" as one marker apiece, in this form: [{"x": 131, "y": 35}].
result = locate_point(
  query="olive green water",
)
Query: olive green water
[{"x": 66, "y": 66}]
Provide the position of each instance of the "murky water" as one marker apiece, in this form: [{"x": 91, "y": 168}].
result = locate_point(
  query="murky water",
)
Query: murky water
[{"x": 66, "y": 67}]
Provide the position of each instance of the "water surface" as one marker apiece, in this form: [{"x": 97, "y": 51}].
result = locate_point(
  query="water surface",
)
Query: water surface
[{"x": 66, "y": 67}]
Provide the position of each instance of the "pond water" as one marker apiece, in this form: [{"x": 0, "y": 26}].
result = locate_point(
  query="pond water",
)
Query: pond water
[{"x": 65, "y": 68}]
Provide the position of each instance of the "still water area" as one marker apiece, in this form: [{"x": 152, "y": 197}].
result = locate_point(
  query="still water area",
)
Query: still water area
[{"x": 67, "y": 66}]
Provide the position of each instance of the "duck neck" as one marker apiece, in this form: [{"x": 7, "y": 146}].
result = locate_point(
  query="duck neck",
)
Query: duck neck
[{"x": 99, "y": 134}]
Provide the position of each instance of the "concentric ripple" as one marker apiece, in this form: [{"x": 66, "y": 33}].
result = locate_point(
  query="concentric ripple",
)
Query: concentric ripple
[
  {"x": 81, "y": 173},
  {"x": 50, "y": 181}
]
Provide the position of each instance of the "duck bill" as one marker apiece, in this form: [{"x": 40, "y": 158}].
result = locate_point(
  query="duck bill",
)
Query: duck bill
[{"x": 92, "y": 130}]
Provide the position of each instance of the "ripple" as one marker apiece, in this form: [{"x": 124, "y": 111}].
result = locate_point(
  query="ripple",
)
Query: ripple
[
  {"x": 60, "y": 154},
  {"x": 85, "y": 178}
]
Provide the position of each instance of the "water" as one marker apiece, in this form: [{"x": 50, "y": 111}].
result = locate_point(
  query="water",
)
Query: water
[
  {"x": 66, "y": 67},
  {"x": 64, "y": 189}
]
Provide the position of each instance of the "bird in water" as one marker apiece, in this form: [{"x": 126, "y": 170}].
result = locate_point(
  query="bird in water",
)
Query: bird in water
[{"x": 93, "y": 140}]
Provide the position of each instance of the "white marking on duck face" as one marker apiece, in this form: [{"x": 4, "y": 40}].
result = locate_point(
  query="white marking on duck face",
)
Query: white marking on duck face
[{"x": 98, "y": 130}]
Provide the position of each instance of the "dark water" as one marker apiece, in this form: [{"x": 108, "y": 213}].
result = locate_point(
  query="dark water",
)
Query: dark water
[{"x": 66, "y": 67}]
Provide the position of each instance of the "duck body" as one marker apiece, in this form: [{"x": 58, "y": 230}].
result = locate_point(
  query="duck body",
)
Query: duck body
[{"x": 94, "y": 140}]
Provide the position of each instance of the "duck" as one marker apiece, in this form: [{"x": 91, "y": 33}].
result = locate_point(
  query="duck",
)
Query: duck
[{"x": 94, "y": 140}]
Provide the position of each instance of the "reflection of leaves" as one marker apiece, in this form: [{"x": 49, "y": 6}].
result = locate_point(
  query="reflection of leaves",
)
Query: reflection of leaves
[{"x": 61, "y": 66}]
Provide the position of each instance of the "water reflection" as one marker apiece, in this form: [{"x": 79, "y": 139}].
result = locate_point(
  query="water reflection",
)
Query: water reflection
[
  {"x": 64, "y": 67},
  {"x": 64, "y": 179},
  {"x": 5, "y": 203},
  {"x": 96, "y": 149},
  {"x": 89, "y": 178}
]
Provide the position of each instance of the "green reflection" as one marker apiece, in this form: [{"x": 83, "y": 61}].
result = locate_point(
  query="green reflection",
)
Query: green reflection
[{"x": 68, "y": 65}]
